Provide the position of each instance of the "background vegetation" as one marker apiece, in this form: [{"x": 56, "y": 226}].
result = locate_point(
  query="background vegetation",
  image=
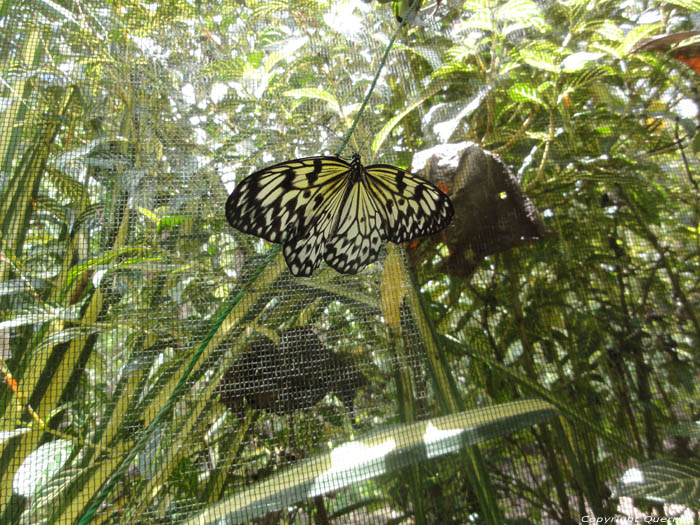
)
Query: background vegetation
[{"x": 123, "y": 126}]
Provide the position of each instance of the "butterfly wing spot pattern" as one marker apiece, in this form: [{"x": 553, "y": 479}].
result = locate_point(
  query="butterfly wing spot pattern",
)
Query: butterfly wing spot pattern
[{"x": 325, "y": 208}]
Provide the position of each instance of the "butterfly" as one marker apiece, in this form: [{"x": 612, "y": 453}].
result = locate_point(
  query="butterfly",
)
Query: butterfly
[{"x": 325, "y": 208}]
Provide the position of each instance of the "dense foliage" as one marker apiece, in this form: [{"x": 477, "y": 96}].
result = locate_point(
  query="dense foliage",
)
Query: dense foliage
[{"x": 124, "y": 126}]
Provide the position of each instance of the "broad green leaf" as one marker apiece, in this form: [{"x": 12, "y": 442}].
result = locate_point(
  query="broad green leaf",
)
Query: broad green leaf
[
  {"x": 287, "y": 50},
  {"x": 525, "y": 93},
  {"x": 316, "y": 93},
  {"x": 663, "y": 481},
  {"x": 691, "y": 5},
  {"x": 378, "y": 453},
  {"x": 113, "y": 258},
  {"x": 9, "y": 434},
  {"x": 519, "y": 15},
  {"x": 171, "y": 220},
  {"x": 391, "y": 124},
  {"x": 40, "y": 466},
  {"x": 37, "y": 316},
  {"x": 62, "y": 336},
  {"x": 610, "y": 31},
  {"x": 689, "y": 429},
  {"x": 429, "y": 54},
  {"x": 543, "y": 56},
  {"x": 14, "y": 286},
  {"x": 460, "y": 53},
  {"x": 148, "y": 214}
]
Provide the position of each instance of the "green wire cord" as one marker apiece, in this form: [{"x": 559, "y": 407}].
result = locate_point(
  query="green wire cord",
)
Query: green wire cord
[{"x": 179, "y": 388}]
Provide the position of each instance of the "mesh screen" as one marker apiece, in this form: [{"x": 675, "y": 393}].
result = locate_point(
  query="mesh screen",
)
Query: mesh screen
[{"x": 534, "y": 362}]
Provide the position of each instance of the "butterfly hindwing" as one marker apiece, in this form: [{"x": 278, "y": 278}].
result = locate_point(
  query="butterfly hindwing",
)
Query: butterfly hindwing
[
  {"x": 304, "y": 252},
  {"x": 361, "y": 230}
]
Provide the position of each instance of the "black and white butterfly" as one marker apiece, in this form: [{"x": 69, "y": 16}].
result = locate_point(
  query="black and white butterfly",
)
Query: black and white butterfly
[{"x": 324, "y": 208}]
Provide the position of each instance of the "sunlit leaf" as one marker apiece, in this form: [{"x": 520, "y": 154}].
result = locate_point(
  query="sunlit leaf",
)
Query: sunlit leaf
[
  {"x": 662, "y": 481},
  {"x": 40, "y": 466}
]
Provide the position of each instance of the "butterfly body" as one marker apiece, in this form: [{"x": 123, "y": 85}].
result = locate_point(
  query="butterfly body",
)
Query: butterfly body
[{"x": 325, "y": 208}]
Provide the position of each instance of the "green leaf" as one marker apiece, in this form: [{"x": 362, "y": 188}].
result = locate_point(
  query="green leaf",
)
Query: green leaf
[
  {"x": 148, "y": 214},
  {"x": 525, "y": 93},
  {"x": 667, "y": 481},
  {"x": 40, "y": 466},
  {"x": 519, "y": 15},
  {"x": 316, "y": 93},
  {"x": 391, "y": 124},
  {"x": 610, "y": 31},
  {"x": 37, "y": 316},
  {"x": 690, "y": 5},
  {"x": 6, "y": 435},
  {"x": 543, "y": 56},
  {"x": 427, "y": 53},
  {"x": 377, "y": 453},
  {"x": 14, "y": 286},
  {"x": 689, "y": 429},
  {"x": 62, "y": 336},
  {"x": 171, "y": 220},
  {"x": 111, "y": 258}
]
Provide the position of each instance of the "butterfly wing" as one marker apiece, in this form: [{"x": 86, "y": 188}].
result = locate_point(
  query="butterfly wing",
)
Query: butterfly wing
[
  {"x": 303, "y": 253},
  {"x": 285, "y": 200},
  {"x": 385, "y": 204},
  {"x": 413, "y": 207},
  {"x": 361, "y": 230},
  {"x": 293, "y": 202}
]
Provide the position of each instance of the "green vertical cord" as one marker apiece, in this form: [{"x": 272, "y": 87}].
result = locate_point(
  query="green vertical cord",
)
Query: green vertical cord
[
  {"x": 124, "y": 464},
  {"x": 414, "y": 6}
]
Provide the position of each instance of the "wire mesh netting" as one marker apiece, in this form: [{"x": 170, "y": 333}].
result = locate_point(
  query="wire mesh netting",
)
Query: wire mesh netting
[{"x": 533, "y": 362}]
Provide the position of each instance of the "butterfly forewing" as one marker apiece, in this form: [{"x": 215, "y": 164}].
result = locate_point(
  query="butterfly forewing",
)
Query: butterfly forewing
[
  {"x": 413, "y": 206},
  {"x": 283, "y": 201}
]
